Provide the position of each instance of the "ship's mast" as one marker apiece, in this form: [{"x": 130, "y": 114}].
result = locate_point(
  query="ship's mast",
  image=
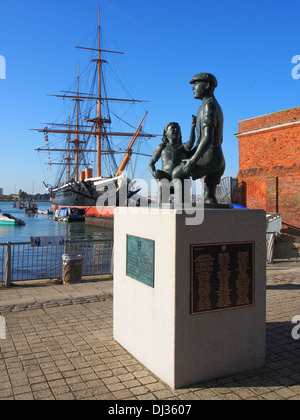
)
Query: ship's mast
[
  {"x": 76, "y": 142},
  {"x": 129, "y": 149},
  {"x": 99, "y": 125},
  {"x": 68, "y": 158},
  {"x": 77, "y": 128}
]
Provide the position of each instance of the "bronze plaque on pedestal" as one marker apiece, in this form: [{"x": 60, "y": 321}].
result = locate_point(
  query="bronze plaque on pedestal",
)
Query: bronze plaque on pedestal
[
  {"x": 140, "y": 259},
  {"x": 222, "y": 276}
]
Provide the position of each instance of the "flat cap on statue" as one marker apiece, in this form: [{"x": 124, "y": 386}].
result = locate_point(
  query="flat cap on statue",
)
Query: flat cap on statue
[{"x": 204, "y": 77}]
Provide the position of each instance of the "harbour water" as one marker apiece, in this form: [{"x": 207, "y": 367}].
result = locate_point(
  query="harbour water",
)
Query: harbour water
[{"x": 44, "y": 225}]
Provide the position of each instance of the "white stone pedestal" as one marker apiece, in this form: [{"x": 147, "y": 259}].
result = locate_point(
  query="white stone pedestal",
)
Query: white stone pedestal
[{"x": 155, "y": 324}]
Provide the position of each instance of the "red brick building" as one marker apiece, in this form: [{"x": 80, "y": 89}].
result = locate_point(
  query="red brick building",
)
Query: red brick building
[{"x": 269, "y": 164}]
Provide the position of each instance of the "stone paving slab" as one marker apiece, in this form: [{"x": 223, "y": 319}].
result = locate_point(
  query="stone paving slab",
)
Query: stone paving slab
[{"x": 64, "y": 350}]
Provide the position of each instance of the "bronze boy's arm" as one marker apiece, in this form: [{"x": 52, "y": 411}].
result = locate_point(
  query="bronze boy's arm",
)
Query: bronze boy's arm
[{"x": 189, "y": 145}]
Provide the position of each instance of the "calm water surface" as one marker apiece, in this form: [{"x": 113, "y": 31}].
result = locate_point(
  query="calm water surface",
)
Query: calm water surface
[{"x": 44, "y": 225}]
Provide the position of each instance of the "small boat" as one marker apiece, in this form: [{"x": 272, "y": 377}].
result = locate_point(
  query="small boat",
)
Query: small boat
[
  {"x": 18, "y": 205},
  {"x": 31, "y": 208},
  {"x": 46, "y": 212},
  {"x": 9, "y": 220},
  {"x": 69, "y": 214}
]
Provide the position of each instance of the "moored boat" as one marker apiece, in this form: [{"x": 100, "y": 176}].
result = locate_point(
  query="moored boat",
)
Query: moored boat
[
  {"x": 47, "y": 212},
  {"x": 18, "y": 204},
  {"x": 9, "y": 220},
  {"x": 69, "y": 214},
  {"x": 31, "y": 208}
]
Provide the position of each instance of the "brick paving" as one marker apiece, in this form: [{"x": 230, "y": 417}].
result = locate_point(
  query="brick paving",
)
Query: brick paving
[{"x": 59, "y": 346}]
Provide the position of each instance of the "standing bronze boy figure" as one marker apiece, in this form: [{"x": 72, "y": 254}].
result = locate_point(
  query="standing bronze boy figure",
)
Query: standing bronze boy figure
[{"x": 207, "y": 158}]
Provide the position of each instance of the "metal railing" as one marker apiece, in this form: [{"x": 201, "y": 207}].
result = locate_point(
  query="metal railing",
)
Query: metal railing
[{"x": 20, "y": 261}]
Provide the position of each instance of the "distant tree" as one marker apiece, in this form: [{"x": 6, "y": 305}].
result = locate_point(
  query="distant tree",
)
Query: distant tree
[{"x": 22, "y": 195}]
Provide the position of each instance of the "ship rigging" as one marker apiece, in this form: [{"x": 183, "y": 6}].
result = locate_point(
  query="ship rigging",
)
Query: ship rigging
[{"x": 83, "y": 188}]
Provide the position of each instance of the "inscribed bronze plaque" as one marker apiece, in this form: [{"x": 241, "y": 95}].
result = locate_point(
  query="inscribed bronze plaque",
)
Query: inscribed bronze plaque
[
  {"x": 140, "y": 259},
  {"x": 222, "y": 276}
]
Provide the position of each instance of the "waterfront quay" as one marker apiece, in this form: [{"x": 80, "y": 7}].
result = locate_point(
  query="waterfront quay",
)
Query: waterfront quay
[{"x": 59, "y": 346}]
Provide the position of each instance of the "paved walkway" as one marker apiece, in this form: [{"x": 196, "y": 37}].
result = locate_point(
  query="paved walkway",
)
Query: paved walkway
[
  {"x": 59, "y": 346},
  {"x": 41, "y": 294}
]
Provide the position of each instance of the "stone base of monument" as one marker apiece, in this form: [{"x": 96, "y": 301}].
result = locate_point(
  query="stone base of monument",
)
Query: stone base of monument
[{"x": 190, "y": 300}]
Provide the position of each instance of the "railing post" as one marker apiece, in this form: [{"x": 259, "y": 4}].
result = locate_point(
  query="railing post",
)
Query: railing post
[
  {"x": 7, "y": 266},
  {"x": 270, "y": 247}
]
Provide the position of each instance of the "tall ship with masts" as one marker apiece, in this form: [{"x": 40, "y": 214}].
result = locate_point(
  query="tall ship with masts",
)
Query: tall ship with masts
[{"x": 84, "y": 136}]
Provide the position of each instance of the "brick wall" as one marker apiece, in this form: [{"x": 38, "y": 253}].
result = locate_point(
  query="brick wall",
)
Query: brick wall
[
  {"x": 269, "y": 164},
  {"x": 269, "y": 120}
]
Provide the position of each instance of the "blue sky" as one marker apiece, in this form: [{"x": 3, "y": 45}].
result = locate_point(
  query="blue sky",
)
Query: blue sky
[{"x": 249, "y": 46}]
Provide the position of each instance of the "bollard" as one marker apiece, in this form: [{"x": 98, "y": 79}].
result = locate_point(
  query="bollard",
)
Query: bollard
[{"x": 72, "y": 266}]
